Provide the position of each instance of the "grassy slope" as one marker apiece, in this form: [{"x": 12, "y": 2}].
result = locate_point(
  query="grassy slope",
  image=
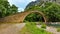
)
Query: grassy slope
[{"x": 31, "y": 28}]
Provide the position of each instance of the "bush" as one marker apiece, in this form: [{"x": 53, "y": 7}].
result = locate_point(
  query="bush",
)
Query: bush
[
  {"x": 43, "y": 26},
  {"x": 41, "y": 23},
  {"x": 58, "y": 29}
]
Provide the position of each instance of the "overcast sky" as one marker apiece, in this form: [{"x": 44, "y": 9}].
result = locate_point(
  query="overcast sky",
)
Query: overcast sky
[{"x": 21, "y": 4}]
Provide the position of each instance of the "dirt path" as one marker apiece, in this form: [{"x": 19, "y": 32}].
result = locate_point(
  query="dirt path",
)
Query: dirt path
[
  {"x": 11, "y": 28},
  {"x": 50, "y": 29}
]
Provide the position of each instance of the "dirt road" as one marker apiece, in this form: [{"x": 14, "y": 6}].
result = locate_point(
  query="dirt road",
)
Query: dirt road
[{"x": 11, "y": 28}]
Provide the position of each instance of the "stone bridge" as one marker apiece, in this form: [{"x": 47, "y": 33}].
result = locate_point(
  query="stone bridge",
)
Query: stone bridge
[{"x": 19, "y": 17}]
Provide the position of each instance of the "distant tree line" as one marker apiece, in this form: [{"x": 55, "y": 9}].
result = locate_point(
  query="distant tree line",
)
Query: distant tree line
[{"x": 6, "y": 9}]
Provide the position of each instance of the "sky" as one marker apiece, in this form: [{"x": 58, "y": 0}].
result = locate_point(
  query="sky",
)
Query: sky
[{"x": 21, "y": 4}]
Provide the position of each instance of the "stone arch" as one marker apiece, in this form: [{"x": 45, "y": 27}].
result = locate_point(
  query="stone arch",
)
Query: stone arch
[
  {"x": 19, "y": 17},
  {"x": 41, "y": 13}
]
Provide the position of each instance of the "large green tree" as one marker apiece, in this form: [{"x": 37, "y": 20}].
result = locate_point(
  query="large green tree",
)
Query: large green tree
[{"x": 6, "y": 9}]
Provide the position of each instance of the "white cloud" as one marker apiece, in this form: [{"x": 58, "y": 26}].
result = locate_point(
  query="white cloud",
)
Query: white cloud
[
  {"x": 20, "y": 9},
  {"x": 20, "y": 3},
  {"x": 33, "y": 0}
]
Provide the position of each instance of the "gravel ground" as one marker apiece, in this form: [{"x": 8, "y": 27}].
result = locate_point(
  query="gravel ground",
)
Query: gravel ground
[
  {"x": 11, "y": 28},
  {"x": 50, "y": 29}
]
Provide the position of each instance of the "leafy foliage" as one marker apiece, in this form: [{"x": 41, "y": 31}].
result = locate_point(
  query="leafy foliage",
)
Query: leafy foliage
[
  {"x": 43, "y": 26},
  {"x": 51, "y": 10},
  {"x": 58, "y": 29},
  {"x": 6, "y": 9},
  {"x": 33, "y": 17}
]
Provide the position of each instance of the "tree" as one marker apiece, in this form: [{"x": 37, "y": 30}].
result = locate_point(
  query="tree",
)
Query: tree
[
  {"x": 6, "y": 9},
  {"x": 14, "y": 9}
]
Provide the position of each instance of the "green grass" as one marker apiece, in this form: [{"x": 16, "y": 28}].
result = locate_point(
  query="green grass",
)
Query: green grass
[{"x": 31, "y": 28}]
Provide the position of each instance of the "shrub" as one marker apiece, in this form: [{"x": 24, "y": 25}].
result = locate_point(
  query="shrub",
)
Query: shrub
[
  {"x": 58, "y": 29},
  {"x": 43, "y": 26},
  {"x": 41, "y": 23}
]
